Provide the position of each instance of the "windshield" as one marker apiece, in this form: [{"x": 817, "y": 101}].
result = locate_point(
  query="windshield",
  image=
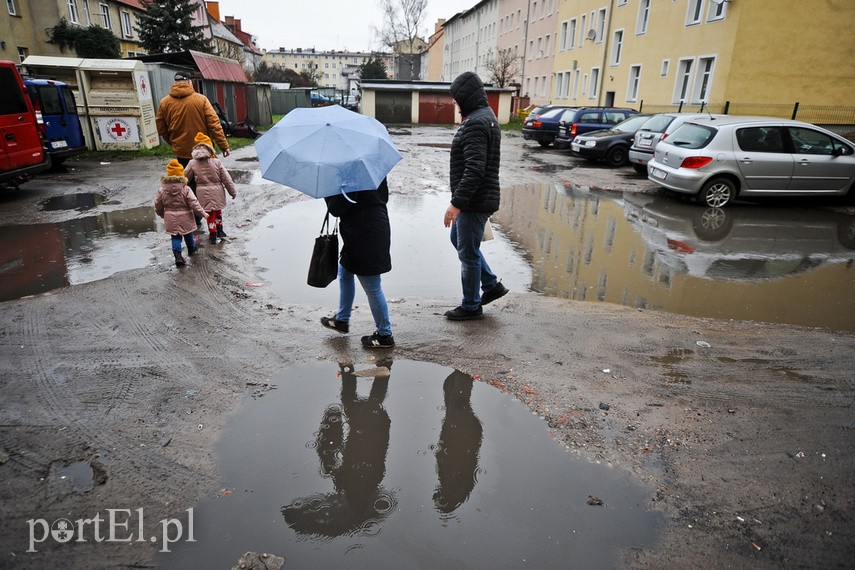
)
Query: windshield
[
  {"x": 630, "y": 125},
  {"x": 657, "y": 123}
]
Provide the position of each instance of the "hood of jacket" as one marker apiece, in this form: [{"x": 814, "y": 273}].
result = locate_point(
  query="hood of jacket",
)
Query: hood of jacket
[
  {"x": 468, "y": 91},
  {"x": 202, "y": 152},
  {"x": 173, "y": 184},
  {"x": 181, "y": 89}
]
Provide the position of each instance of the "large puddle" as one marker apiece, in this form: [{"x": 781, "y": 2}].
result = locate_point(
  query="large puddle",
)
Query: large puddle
[
  {"x": 747, "y": 262},
  {"x": 407, "y": 465},
  {"x": 41, "y": 257}
]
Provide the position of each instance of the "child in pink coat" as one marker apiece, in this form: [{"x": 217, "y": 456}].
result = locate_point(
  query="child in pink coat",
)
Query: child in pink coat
[
  {"x": 212, "y": 181},
  {"x": 176, "y": 204}
]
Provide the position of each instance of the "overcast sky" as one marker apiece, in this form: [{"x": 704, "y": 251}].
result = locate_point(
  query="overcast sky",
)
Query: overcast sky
[{"x": 324, "y": 24}]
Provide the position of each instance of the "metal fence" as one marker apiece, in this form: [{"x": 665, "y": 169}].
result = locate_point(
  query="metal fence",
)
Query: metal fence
[{"x": 837, "y": 118}]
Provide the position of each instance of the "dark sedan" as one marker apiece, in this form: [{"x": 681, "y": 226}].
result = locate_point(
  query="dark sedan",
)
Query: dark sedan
[
  {"x": 543, "y": 128},
  {"x": 611, "y": 145}
]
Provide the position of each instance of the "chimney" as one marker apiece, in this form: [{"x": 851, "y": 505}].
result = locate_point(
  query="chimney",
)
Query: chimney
[
  {"x": 439, "y": 24},
  {"x": 213, "y": 10},
  {"x": 237, "y": 26}
]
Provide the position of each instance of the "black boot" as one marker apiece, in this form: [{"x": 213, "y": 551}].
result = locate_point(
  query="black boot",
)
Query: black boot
[
  {"x": 192, "y": 249},
  {"x": 179, "y": 259},
  {"x": 220, "y": 233},
  {"x": 212, "y": 238}
]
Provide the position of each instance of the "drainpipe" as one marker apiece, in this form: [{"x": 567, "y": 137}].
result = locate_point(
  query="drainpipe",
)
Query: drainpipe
[
  {"x": 607, "y": 32},
  {"x": 525, "y": 43}
]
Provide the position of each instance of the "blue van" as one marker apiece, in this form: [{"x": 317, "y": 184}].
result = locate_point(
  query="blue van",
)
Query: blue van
[{"x": 57, "y": 110}]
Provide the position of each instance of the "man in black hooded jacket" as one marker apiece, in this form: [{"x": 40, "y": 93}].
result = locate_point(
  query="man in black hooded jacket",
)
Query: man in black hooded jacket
[{"x": 474, "y": 177}]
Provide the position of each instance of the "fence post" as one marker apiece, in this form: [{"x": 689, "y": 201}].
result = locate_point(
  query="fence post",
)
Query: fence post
[
  {"x": 795, "y": 110},
  {"x": 726, "y": 107},
  {"x": 680, "y": 109},
  {"x": 641, "y": 106}
]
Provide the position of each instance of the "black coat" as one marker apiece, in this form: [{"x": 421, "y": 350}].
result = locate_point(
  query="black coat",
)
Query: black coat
[
  {"x": 364, "y": 228},
  {"x": 475, "y": 150}
]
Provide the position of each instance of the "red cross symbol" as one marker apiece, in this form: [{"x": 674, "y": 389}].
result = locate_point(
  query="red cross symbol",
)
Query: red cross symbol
[
  {"x": 119, "y": 130},
  {"x": 142, "y": 85}
]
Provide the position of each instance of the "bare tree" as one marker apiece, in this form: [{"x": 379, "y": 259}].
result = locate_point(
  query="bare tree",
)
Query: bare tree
[
  {"x": 400, "y": 32},
  {"x": 503, "y": 67}
]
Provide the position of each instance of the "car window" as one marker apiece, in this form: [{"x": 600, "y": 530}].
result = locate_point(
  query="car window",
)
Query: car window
[
  {"x": 657, "y": 123},
  {"x": 613, "y": 117},
  {"x": 552, "y": 113},
  {"x": 760, "y": 139},
  {"x": 808, "y": 141},
  {"x": 49, "y": 100},
  {"x": 567, "y": 115},
  {"x": 630, "y": 125},
  {"x": 589, "y": 118},
  {"x": 692, "y": 136},
  {"x": 11, "y": 98},
  {"x": 71, "y": 104}
]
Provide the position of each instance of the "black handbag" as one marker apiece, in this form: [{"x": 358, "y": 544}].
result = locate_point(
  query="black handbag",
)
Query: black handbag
[{"x": 323, "y": 268}]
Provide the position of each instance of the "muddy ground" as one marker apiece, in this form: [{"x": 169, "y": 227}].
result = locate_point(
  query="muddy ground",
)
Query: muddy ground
[{"x": 749, "y": 456}]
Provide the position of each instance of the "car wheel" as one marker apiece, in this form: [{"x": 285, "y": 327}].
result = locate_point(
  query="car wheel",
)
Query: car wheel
[
  {"x": 618, "y": 156},
  {"x": 544, "y": 144},
  {"x": 713, "y": 224},
  {"x": 717, "y": 193},
  {"x": 640, "y": 168}
]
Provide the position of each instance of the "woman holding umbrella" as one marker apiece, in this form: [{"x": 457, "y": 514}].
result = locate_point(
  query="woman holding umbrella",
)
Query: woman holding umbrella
[{"x": 366, "y": 236}]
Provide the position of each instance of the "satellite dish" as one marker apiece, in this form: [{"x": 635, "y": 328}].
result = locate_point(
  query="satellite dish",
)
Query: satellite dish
[{"x": 592, "y": 34}]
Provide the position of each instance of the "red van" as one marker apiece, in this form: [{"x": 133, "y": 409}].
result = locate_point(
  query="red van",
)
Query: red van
[{"x": 22, "y": 151}]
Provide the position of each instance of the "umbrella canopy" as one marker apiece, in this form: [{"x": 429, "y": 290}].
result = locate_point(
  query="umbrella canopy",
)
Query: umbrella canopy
[{"x": 324, "y": 151}]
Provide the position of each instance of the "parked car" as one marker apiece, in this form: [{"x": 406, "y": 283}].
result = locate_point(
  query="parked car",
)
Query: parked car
[
  {"x": 657, "y": 128},
  {"x": 22, "y": 151},
  {"x": 526, "y": 111},
  {"x": 56, "y": 111},
  {"x": 544, "y": 127},
  {"x": 717, "y": 160},
  {"x": 586, "y": 119},
  {"x": 611, "y": 145}
]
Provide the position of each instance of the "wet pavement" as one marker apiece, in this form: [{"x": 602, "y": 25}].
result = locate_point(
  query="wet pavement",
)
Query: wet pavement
[{"x": 412, "y": 464}]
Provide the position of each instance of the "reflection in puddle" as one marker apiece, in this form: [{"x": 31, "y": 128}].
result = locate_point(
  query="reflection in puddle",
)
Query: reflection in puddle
[
  {"x": 787, "y": 265},
  {"x": 82, "y": 202},
  {"x": 424, "y": 263},
  {"x": 418, "y": 466},
  {"x": 42, "y": 257}
]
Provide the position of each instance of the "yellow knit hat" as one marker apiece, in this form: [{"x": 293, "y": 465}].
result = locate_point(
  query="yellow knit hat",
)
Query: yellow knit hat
[
  {"x": 202, "y": 138},
  {"x": 174, "y": 168}
]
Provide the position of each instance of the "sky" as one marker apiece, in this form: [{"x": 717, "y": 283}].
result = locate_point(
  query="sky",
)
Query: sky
[{"x": 324, "y": 24}]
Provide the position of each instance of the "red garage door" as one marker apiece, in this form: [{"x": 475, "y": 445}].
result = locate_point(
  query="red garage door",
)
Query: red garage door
[{"x": 436, "y": 108}]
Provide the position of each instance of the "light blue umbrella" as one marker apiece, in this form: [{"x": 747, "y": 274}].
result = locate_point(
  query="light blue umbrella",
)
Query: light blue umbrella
[{"x": 325, "y": 151}]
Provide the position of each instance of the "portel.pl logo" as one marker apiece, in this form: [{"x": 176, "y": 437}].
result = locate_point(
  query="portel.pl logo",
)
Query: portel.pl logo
[{"x": 118, "y": 525}]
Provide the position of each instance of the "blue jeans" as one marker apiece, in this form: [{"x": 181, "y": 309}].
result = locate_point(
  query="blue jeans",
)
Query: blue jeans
[
  {"x": 176, "y": 242},
  {"x": 376, "y": 299},
  {"x": 467, "y": 231}
]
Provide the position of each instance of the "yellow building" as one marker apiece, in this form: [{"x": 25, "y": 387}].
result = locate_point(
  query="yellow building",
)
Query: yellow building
[{"x": 754, "y": 54}]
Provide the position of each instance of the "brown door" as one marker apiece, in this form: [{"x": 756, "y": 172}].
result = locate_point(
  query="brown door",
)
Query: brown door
[{"x": 436, "y": 108}]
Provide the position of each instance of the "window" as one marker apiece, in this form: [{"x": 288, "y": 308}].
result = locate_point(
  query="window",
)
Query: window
[
  {"x": 621, "y": 2},
  {"x": 760, "y": 139},
  {"x": 571, "y": 34},
  {"x": 127, "y": 29},
  {"x": 808, "y": 141},
  {"x": 539, "y": 48},
  {"x": 576, "y": 84},
  {"x": 10, "y": 5},
  {"x": 105, "y": 16},
  {"x": 634, "y": 78},
  {"x": 665, "y": 65},
  {"x": 717, "y": 10},
  {"x": 601, "y": 25},
  {"x": 643, "y": 17},
  {"x": 546, "y": 45},
  {"x": 704, "y": 79},
  {"x": 617, "y": 45},
  {"x": 684, "y": 76},
  {"x": 595, "y": 82},
  {"x": 72, "y": 12},
  {"x": 693, "y": 16},
  {"x": 582, "y": 31},
  {"x": 23, "y": 53},
  {"x": 585, "y": 84},
  {"x": 563, "y": 40}
]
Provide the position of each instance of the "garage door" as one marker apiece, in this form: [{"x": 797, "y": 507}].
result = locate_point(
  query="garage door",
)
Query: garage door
[
  {"x": 393, "y": 107},
  {"x": 436, "y": 108}
]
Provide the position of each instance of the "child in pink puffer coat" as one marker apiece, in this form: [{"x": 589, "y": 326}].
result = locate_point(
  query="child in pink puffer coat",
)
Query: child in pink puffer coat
[
  {"x": 212, "y": 181},
  {"x": 176, "y": 204}
]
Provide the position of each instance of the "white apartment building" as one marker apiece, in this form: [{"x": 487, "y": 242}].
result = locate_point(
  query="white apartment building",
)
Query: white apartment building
[
  {"x": 470, "y": 41},
  {"x": 329, "y": 68}
]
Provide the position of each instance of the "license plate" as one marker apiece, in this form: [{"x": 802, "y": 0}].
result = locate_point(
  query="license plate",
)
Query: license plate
[
  {"x": 645, "y": 142},
  {"x": 59, "y": 144},
  {"x": 575, "y": 147},
  {"x": 656, "y": 173}
]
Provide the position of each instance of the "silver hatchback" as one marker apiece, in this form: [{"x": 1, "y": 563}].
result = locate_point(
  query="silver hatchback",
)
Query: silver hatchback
[{"x": 718, "y": 159}]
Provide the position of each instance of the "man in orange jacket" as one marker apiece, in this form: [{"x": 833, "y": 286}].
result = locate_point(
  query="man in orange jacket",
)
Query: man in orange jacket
[{"x": 182, "y": 114}]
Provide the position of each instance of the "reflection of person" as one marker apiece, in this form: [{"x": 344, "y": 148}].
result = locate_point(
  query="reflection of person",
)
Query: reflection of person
[
  {"x": 354, "y": 457},
  {"x": 474, "y": 176},
  {"x": 459, "y": 444},
  {"x": 176, "y": 204},
  {"x": 364, "y": 226},
  {"x": 212, "y": 180},
  {"x": 182, "y": 114}
]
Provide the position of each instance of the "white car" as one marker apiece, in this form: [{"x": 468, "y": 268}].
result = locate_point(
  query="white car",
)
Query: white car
[{"x": 657, "y": 128}]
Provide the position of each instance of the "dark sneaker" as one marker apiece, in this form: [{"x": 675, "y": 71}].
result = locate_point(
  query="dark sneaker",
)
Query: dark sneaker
[
  {"x": 331, "y": 323},
  {"x": 212, "y": 238},
  {"x": 496, "y": 292},
  {"x": 461, "y": 314},
  {"x": 378, "y": 341},
  {"x": 180, "y": 261},
  {"x": 220, "y": 233}
]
